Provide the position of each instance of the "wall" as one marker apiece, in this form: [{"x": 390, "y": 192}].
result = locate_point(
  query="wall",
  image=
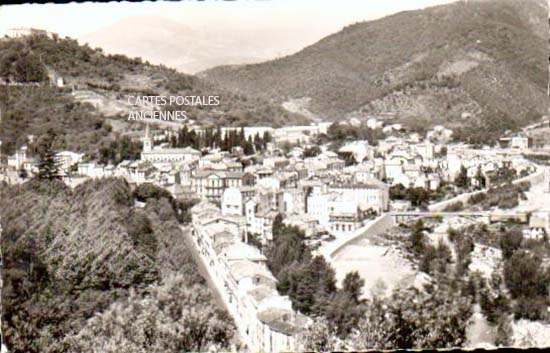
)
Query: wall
[{"x": 378, "y": 226}]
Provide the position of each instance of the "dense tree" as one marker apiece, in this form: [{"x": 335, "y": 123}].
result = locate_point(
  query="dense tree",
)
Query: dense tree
[
  {"x": 173, "y": 318},
  {"x": 434, "y": 318},
  {"x": 416, "y": 239},
  {"x": 352, "y": 285},
  {"x": 480, "y": 178},
  {"x": 525, "y": 276},
  {"x": 75, "y": 252},
  {"x": 462, "y": 180},
  {"x": 510, "y": 241},
  {"x": 374, "y": 330},
  {"x": 310, "y": 282},
  {"x": 493, "y": 302},
  {"x": 464, "y": 245},
  {"x": 22, "y": 66},
  {"x": 214, "y": 138},
  {"x": 48, "y": 165},
  {"x": 319, "y": 336}
]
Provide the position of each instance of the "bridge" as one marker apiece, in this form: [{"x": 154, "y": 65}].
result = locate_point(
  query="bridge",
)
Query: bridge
[{"x": 486, "y": 216}]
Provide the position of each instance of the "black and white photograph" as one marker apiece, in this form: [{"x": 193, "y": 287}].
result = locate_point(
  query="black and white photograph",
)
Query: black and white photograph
[{"x": 268, "y": 176}]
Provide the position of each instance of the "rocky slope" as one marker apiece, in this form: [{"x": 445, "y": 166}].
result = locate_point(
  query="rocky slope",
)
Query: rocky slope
[{"x": 475, "y": 63}]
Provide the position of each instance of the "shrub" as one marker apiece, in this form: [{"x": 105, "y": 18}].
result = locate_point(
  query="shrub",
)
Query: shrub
[
  {"x": 454, "y": 207},
  {"x": 510, "y": 241}
]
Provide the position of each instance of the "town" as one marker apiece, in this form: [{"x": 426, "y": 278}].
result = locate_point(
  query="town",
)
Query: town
[{"x": 242, "y": 179}]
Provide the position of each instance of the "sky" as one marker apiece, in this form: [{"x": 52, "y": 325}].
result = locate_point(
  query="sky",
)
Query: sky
[{"x": 327, "y": 16}]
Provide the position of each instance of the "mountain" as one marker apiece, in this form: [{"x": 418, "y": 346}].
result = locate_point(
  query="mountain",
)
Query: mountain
[
  {"x": 467, "y": 64},
  {"x": 97, "y": 89},
  {"x": 192, "y": 48}
]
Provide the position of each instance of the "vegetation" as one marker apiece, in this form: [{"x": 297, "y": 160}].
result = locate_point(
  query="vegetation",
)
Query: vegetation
[
  {"x": 33, "y": 58},
  {"x": 312, "y": 151},
  {"x": 37, "y": 110},
  {"x": 418, "y": 196},
  {"x": 174, "y": 317},
  {"x": 75, "y": 262},
  {"x": 543, "y": 159},
  {"x": 48, "y": 166},
  {"x": 118, "y": 149},
  {"x": 310, "y": 281},
  {"x": 339, "y": 133},
  {"x": 503, "y": 197},
  {"x": 355, "y": 70},
  {"x": 214, "y": 138},
  {"x": 520, "y": 286}
]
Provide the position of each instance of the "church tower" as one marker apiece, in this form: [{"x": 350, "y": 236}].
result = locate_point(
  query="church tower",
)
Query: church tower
[{"x": 147, "y": 143}]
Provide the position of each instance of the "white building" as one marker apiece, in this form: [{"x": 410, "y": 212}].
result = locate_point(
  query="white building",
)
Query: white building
[
  {"x": 18, "y": 160},
  {"x": 232, "y": 202},
  {"x": 265, "y": 319},
  {"x": 159, "y": 156},
  {"x": 67, "y": 159}
]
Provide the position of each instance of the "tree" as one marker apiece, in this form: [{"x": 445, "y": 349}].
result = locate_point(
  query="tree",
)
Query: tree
[
  {"x": 462, "y": 180},
  {"x": 435, "y": 317},
  {"x": 344, "y": 312},
  {"x": 374, "y": 330},
  {"x": 418, "y": 196},
  {"x": 416, "y": 239},
  {"x": 319, "y": 336},
  {"x": 353, "y": 285},
  {"x": 524, "y": 275},
  {"x": 174, "y": 318},
  {"x": 504, "y": 331},
  {"x": 481, "y": 182},
  {"x": 510, "y": 241},
  {"x": 23, "y": 173},
  {"x": 48, "y": 165}
]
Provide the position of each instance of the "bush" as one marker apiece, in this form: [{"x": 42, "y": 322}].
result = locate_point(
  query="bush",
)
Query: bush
[
  {"x": 525, "y": 276},
  {"x": 510, "y": 241},
  {"x": 532, "y": 308},
  {"x": 454, "y": 207}
]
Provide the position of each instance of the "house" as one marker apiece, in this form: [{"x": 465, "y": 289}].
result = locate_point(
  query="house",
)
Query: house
[
  {"x": 265, "y": 320},
  {"x": 539, "y": 224},
  {"x": 210, "y": 184},
  {"x": 18, "y": 160},
  {"x": 307, "y": 224},
  {"x": 232, "y": 202},
  {"x": 516, "y": 142},
  {"x": 372, "y": 194},
  {"x": 67, "y": 159},
  {"x": 166, "y": 155}
]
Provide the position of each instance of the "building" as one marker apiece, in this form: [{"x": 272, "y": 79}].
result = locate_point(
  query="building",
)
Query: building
[
  {"x": 372, "y": 194},
  {"x": 210, "y": 184},
  {"x": 166, "y": 155},
  {"x": 539, "y": 224},
  {"x": 18, "y": 160},
  {"x": 232, "y": 202},
  {"x": 68, "y": 159},
  {"x": 516, "y": 142},
  {"x": 265, "y": 320}
]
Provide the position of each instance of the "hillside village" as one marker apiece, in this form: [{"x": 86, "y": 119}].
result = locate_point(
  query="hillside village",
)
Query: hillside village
[
  {"x": 329, "y": 195},
  {"x": 309, "y": 234}
]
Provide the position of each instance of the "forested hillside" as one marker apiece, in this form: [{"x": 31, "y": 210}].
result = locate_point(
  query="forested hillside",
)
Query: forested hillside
[
  {"x": 86, "y": 271},
  {"x": 487, "y": 59},
  {"x": 29, "y": 104}
]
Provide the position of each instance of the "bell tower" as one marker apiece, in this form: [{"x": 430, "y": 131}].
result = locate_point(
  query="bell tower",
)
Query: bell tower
[{"x": 147, "y": 143}]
